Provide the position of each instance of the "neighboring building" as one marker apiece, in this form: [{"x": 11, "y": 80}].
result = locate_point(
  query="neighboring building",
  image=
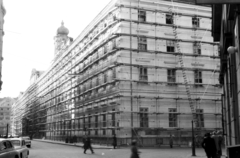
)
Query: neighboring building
[
  {"x": 2, "y": 14},
  {"x": 141, "y": 69},
  {"x": 16, "y": 117},
  {"x": 226, "y": 29},
  {"x": 5, "y": 114}
]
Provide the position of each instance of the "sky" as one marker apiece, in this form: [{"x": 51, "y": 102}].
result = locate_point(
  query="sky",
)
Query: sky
[{"x": 29, "y": 27}]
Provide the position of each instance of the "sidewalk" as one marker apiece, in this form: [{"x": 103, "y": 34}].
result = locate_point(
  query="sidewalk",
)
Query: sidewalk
[
  {"x": 177, "y": 152},
  {"x": 96, "y": 146}
]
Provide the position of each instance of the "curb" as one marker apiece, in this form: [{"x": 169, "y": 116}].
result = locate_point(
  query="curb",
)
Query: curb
[{"x": 77, "y": 145}]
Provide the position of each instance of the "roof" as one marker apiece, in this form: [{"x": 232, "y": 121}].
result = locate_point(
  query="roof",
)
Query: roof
[
  {"x": 15, "y": 139},
  {"x": 2, "y": 139}
]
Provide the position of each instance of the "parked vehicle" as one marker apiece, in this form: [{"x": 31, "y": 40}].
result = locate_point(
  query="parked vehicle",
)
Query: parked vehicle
[
  {"x": 20, "y": 145},
  {"x": 27, "y": 141},
  {"x": 7, "y": 149}
]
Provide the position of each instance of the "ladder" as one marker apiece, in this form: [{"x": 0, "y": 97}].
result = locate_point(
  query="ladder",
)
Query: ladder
[{"x": 180, "y": 58}]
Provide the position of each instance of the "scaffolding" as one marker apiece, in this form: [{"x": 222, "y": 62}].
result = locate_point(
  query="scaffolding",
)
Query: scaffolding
[{"x": 101, "y": 92}]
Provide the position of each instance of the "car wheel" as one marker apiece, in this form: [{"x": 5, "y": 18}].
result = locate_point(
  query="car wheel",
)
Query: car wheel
[{"x": 16, "y": 156}]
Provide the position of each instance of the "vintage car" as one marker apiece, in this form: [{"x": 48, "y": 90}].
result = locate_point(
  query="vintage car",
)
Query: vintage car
[
  {"x": 7, "y": 149},
  {"x": 27, "y": 141},
  {"x": 20, "y": 145}
]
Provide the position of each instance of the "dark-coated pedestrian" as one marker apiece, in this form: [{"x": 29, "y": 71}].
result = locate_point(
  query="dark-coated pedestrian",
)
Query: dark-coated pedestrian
[
  {"x": 220, "y": 143},
  {"x": 114, "y": 141},
  {"x": 134, "y": 150},
  {"x": 209, "y": 146},
  {"x": 87, "y": 145},
  {"x": 74, "y": 139},
  {"x": 171, "y": 141}
]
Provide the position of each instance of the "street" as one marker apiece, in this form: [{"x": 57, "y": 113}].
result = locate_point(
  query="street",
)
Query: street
[{"x": 49, "y": 150}]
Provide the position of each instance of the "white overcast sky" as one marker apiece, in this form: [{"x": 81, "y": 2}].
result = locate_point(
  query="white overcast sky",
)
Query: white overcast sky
[{"x": 30, "y": 26}]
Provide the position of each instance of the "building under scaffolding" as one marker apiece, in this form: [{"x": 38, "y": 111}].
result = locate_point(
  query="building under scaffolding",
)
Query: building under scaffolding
[{"x": 141, "y": 70}]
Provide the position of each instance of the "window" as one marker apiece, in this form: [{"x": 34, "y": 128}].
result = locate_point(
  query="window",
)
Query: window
[
  {"x": 172, "y": 117},
  {"x": 143, "y": 74},
  {"x": 105, "y": 77},
  {"x": 195, "y": 22},
  {"x": 200, "y": 118},
  {"x": 143, "y": 117},
  {"x": 3, "y": 146},
  {"x": 197, "y": 48},
  {"x": 142, "y": 43},
  {"x": 9, "y": 145},
  {"x": 89, "y": 121},
  {"x": 23, "y": 142},
  {"x": 170, "y": 46},
  {"x": 198, "y": 77},
  {"x": 96, "y": 120},
  {"x": 169, "y": 19},
  {"x": 141, "y": 16},
  {"x": 113, "y": 117},
  {"x": 171, "y": 74},
  {"x": 104, "y": 119},
  {"x": 114, "y": 73},
  {"x": 16, "y": 142}
]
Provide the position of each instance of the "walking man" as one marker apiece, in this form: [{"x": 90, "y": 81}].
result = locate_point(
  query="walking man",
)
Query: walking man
[
  {"x": 114, "y": 141},
  {"x": 87, "y": 145},
  {"x": 134, "y": 150},
  {"x": 171, "y": 141},
  {"x": 209, "y": 146}
]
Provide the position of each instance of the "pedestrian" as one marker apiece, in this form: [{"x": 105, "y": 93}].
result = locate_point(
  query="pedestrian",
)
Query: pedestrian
[
  {"x": 220, "y": 143},
  {"x": 74, "y": 139},
  {"x": 197, "y": 141},
  {"x": 134, "y": 150},
  {"x": 209, "y": 146},
  {"x": 171, "y": 141},
  {"x": 88, "y": 145},
  {"x": 216, "y": 140},
  {"x": 114, "y": 141}
]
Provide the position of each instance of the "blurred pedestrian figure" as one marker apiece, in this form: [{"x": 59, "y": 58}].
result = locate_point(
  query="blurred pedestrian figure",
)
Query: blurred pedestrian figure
[
  {"x": 114, "y": 141},
  {"x": 134, "y": 150},
  {"x": 209, "y": 146},
  {"x": 74, "y": 139},
  {"x": 220, "y": 143},
  {"x": 197, "y": 140},
  {"x": 87, "y": 145},
  {"x": 171, "y": 141},
  {"x": 217, "y": 140}
]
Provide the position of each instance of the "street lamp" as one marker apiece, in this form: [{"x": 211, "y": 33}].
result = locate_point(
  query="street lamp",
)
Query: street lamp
[{"x": 193, "y": 141}]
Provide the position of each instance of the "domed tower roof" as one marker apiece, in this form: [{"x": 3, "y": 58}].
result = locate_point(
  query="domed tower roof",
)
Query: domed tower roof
[{"x": 62, "y": 30}]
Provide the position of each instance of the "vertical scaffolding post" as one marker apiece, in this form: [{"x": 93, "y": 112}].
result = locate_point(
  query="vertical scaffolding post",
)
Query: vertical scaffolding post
[{"x": 131, "y": 92}]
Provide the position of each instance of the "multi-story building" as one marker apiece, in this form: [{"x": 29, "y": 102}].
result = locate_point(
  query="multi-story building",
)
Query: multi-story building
[
  {"x": 5, "y": 115},
  {"x": 226, "y": 24},
  {"x": 141, "y": 70},
  {"x": 2, "y": 14}
]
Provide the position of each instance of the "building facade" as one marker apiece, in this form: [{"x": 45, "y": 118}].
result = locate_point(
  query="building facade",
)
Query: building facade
[
  {"x": 226, "y": 24},
  {"x": 141, "y": 70},
  {"x": 2, "y": 14},
  {"x": 5, "y": 115}
]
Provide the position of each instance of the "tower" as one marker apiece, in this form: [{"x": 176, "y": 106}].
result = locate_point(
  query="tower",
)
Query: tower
[{"x": 61, "y": 40}]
